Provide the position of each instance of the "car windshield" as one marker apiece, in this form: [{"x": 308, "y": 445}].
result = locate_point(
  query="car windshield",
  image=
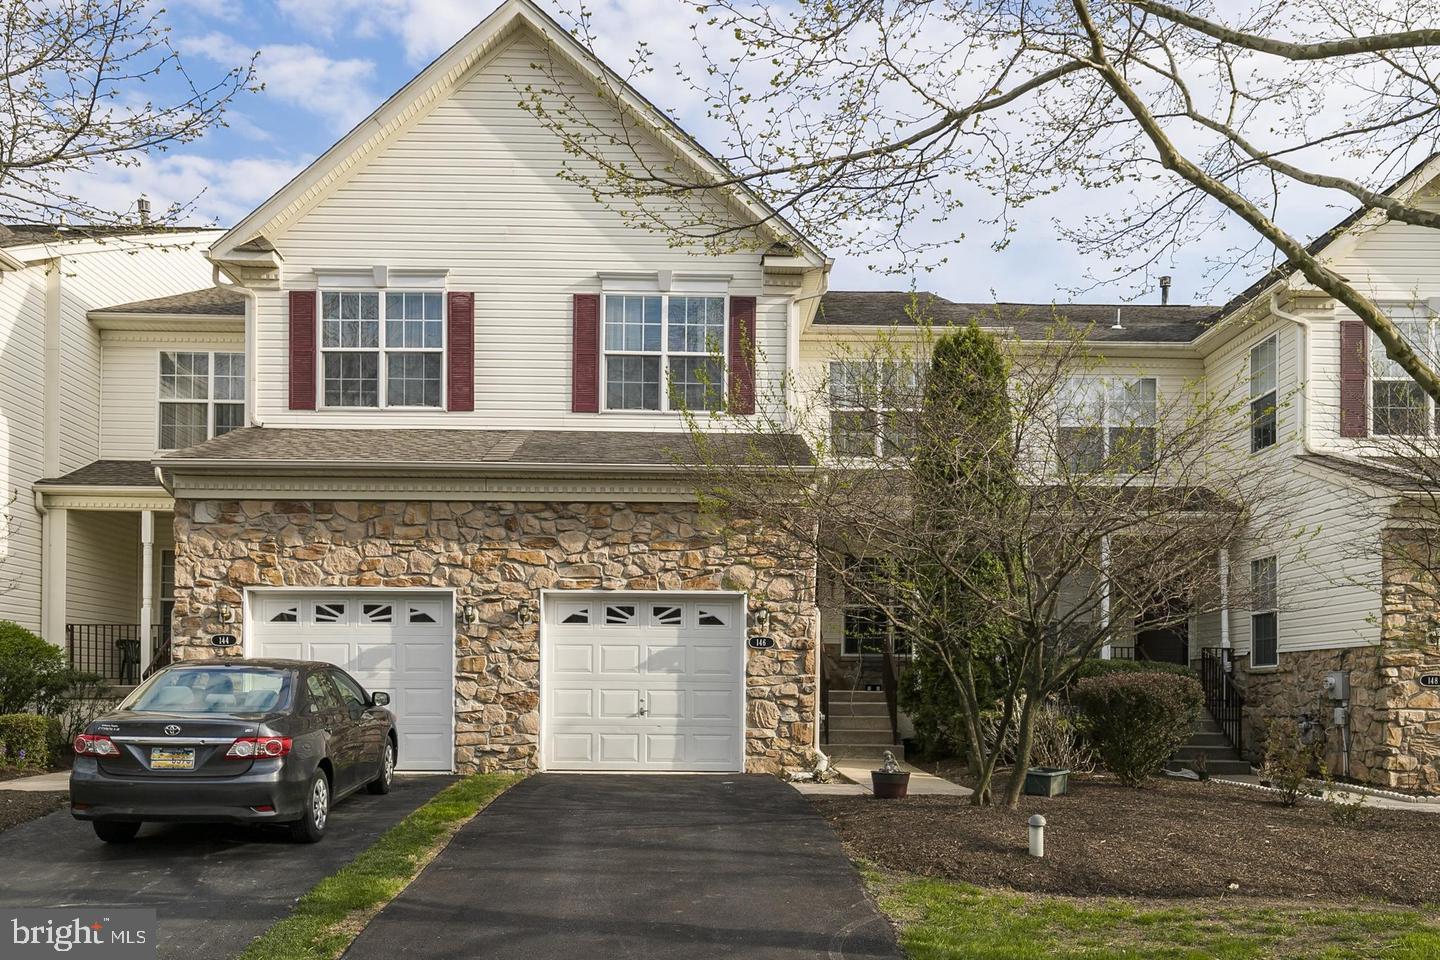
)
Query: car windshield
[{"x": 213, "y": 690}]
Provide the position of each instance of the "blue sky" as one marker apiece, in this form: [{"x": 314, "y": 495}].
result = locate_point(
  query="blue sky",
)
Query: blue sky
[{"x": 328, "y": 63}]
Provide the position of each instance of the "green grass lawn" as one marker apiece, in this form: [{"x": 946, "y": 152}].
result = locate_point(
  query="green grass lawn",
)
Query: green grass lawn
[
  {"x": 940, "y": 920},
  {"x": 337, "y": 908}
]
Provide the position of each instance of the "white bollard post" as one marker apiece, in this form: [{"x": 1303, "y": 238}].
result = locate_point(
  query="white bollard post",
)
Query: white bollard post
[{"x": 1037, "y": 836}]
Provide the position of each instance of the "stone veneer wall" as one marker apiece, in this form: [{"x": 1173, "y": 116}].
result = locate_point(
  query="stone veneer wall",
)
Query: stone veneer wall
[
  {"x": 1394, "y": 721},
  {"x": 498, "y": 556}
]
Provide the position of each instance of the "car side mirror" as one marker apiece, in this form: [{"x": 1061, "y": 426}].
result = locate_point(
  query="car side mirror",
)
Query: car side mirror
[{"x": 380, "y": 699}]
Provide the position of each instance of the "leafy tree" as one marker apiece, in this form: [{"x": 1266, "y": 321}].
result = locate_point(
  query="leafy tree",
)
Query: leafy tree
[
  {"x": 77, "y": 79},
  {"x": 873, "y": 124},
  {"x": 1013, "y": 549}
]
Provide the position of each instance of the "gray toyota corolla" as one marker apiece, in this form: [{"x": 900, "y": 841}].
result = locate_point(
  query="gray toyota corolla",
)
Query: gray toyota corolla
[{"x": 236, "y": 741}]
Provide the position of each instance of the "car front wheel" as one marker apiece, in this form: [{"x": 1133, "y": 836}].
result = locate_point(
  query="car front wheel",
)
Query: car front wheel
[
  {"x": 116, "y": 831},
  {"x": 311, "y": 825},
  {"x": 381, "y": 783}
]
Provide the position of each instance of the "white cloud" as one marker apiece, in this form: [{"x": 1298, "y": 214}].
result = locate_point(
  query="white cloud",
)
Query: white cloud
[
  {"x": 222, "y": 190},
  {"x": 299, "y": 74},
  {"x": 425, "y": 28}
]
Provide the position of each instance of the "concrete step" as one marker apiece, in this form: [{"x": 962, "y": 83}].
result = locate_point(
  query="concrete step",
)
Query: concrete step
[
  {"x": 856, "y": 696},
  {"x": 1217, "y": 768},
  {"x": 1209, "y": 739},
  {"x": 858, "y": 708},
  {"x": 839, "y": 722},
  {"x": 1189, "y": 751}
]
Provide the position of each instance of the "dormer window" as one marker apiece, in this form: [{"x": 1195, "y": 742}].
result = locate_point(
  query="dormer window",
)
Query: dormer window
[{"x": 382, "y": 349}]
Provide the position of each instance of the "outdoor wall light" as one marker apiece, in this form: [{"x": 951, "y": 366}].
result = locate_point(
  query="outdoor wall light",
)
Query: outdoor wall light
[
  {"x": 524, "y": 616},
  {"x": 470, "y": 613},
  {"x": 228, "y": 613},
  {"x": 762, "y": 621}
]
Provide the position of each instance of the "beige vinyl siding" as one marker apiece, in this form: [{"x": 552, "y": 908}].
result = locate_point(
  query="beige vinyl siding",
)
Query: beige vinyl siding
[
  {"x": 120, "y": 271},
  {"x": 1395, "y": 260},
  {"x": 130, "y": 374},
  {"x": 22, "y": 438},
  {"x": 472, "y": 188},
  {"x": 103, "y": 567},
  {"x": 1325, "y": 540}
]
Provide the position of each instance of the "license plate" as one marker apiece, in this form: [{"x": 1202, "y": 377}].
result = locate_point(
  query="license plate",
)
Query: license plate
[{"x": 172, "y": 758}]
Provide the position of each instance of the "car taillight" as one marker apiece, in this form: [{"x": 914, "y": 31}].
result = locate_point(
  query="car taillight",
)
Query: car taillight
[
  {"x": 88, "y": 744},
  {"x": 251, "y": 748}
]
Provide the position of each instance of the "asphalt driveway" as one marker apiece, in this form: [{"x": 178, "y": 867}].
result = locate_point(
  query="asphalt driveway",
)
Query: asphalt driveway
[
  {"x": 215, "y": 888},
  {"x": 561, "y": 867}
]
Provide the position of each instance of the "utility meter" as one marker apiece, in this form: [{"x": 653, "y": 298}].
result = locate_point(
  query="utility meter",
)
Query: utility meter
[{"x": 1337, "y": 685}]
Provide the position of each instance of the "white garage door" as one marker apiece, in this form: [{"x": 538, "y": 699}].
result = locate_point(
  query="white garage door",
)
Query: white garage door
[
  {"x": 643, "y": 682},
  {"x": 402, "y": 643}
]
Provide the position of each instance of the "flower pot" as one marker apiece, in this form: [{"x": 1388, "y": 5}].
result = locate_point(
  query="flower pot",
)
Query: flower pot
[
  {"x": 1046, "y": 781},
  {"x": 889, "y": 786}
]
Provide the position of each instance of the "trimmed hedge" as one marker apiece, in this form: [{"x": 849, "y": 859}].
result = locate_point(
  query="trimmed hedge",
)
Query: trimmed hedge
[
  {"x": 33, "y": 672},
  {"x": 1096, "y": 667},
  {"x": 1136, "y": 720},
  {"x": 24, "y": 741}
]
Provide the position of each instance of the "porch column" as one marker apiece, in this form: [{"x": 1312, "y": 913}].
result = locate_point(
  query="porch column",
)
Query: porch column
[
  {"x": 1105, "y": 651},
  {"x": 1225, "y": 603},
  {"x": 54, "y": 537},
  {"x": 147, "y": 585}
]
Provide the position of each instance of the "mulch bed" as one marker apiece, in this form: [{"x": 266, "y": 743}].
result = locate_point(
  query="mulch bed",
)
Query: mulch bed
[
  {"x": 1167, "y": 840},
  {"x": 18, "y": 806}
]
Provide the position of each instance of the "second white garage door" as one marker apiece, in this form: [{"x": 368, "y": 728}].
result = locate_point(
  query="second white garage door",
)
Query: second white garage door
[
  {"x": 643, "y": 682},
  {"x": 399, "y": 642}
]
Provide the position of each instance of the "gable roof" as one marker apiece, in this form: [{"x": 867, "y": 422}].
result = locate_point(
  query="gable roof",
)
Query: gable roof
[
  {"x": 1404, "y": 186},
  {"x": 441, "y": 77},
  {"x": 1139, "y": 322},
  {"x": 27, "y": 234}
]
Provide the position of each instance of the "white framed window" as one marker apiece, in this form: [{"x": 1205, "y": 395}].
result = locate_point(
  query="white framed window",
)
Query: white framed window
[
  {"x": 1398, "y": 405},
  {"x": 1105, "y": 423},
  {"x": 202, "y": 395},
  {"x": 382, "y": 349},
  {"x": 662, "y": 351},
  {"x": 1264, "y": 393},
  {"x": 1264, "y": 612},
  {"x": 872, "y": 406}
]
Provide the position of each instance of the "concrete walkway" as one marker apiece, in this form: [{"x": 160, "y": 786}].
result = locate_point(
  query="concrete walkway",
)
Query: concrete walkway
[
  {"x": 857, "y": 782},
  {"x": 41, "y": 783}
]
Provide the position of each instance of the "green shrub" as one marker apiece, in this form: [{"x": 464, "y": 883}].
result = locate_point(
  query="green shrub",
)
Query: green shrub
[
  {"x": 1096, "y": 667},
  {"x": 1288, "y": 759},
  {"x": 24, "y": 741},
  {"x": 1137, "y": 719},
  {"x": 33, "y": 673}
]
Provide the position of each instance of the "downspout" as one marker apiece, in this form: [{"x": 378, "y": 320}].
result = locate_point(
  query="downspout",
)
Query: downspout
[
  {"x": 251, "y": 307},
  {"x": 1340, "y": 717},
  {"x": 1304, "y": 357}
]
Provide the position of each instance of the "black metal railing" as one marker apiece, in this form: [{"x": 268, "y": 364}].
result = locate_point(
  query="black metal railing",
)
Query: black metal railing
[
  {"x": 890, "y": 683},
  {"x": 1222, "y": 697},
  {"x": 112, "y": 650}
]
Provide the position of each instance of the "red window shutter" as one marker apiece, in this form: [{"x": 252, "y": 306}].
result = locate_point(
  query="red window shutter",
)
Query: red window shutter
[
  {"x": 585, "y": 367},
  {"x": 460, "y": 350},
  {"x": 302, "y": 349},
  {"x": 742, "y": 355},
  {"x": 1353, "y": 379}
]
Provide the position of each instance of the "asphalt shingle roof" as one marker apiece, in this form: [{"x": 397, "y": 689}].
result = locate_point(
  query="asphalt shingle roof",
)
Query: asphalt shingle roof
[
  {"x": 23, "y": 234},
  {"x": 210, "y": 302},
  {"x": 1149, "y": 323},
  {"x": 107, "y": 473},
  {"x": 470, "y": 449}
]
